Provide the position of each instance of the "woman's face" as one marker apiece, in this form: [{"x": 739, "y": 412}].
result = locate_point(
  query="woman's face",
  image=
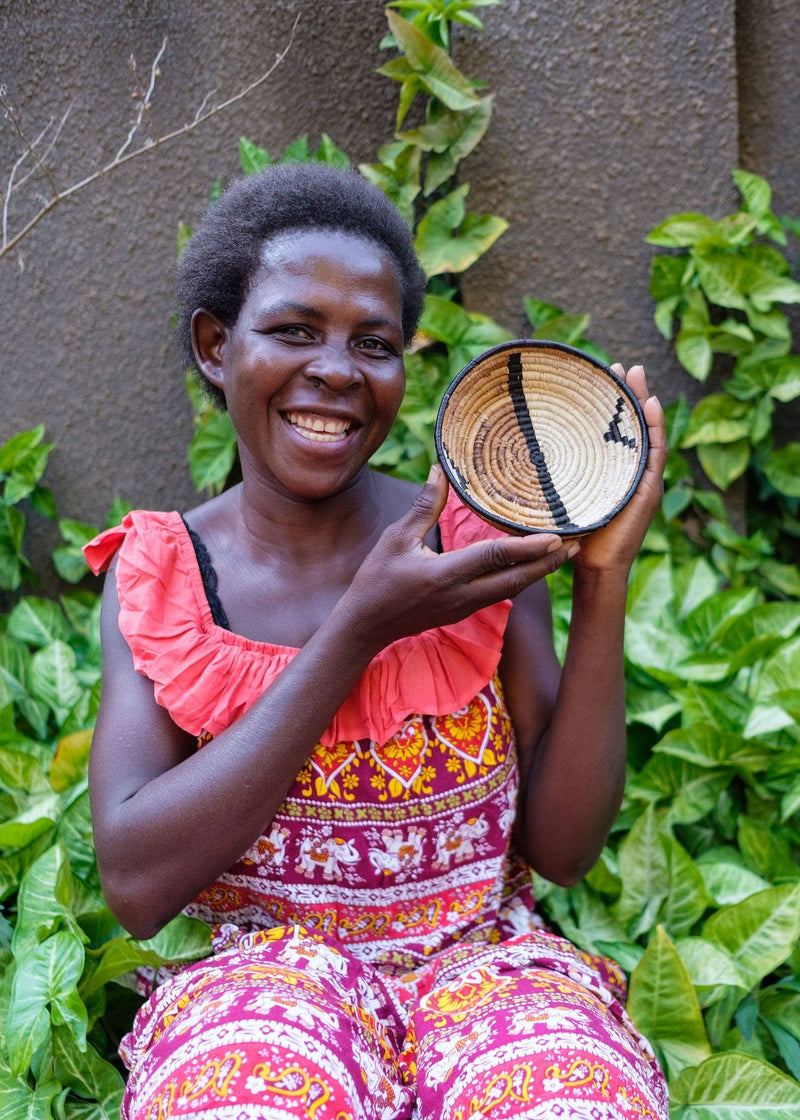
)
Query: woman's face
[{"x": 313, "y": 370}]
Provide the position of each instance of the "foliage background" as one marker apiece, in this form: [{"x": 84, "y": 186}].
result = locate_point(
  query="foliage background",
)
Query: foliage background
[
  {"x": 698, "y": 891},
  {"x": 606, "y": 118}
]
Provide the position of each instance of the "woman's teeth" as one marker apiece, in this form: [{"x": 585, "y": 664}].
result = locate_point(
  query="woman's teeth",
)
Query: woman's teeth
[{"x": 321, "y": 428}]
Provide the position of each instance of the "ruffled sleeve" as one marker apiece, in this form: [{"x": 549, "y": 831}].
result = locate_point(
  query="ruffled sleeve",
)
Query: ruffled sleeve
[{"x": 206, "y": 677}]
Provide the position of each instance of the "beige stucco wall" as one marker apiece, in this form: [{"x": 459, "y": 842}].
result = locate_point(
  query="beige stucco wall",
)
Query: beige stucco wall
[{"x": 609, "y": 116}]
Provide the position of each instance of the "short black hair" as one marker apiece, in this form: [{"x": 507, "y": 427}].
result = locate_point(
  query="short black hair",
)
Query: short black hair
[{"x": 225, "y": 251}]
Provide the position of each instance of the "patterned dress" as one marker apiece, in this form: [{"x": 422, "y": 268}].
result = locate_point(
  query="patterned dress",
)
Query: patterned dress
[{"x": 376, "y": 951}]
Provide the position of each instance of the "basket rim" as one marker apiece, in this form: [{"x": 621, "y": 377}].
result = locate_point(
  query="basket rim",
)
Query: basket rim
[{"x": 574, "y": 351}]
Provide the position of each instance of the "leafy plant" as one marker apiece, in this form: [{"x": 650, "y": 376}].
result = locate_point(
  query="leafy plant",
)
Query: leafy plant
[
  {"x": 63, "y": 956},
  {"x": 725, "y": 284}
]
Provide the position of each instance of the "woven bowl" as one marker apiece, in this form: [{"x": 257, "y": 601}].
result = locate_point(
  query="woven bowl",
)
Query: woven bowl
[{"x": 538, "y": 437}]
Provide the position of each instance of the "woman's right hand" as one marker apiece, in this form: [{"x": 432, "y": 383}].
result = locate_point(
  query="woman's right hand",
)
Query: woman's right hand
[{"x": 403, "y": 587}]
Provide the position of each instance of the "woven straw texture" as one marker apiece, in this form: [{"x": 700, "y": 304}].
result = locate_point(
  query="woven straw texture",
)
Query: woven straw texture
[{"x": 540, "y": 437}]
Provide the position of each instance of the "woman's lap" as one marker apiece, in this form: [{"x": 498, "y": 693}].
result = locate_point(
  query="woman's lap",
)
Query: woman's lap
[{"x": 289, "y": 1026}]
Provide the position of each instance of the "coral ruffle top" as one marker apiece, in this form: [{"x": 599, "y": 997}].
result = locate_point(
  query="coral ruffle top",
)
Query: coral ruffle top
[{"x": 166, "y": 620}]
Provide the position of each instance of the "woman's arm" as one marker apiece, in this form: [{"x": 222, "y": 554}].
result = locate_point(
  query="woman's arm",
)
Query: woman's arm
[
  {"x": 169, "y": 819},
  {"x": 571, "y": 728}
]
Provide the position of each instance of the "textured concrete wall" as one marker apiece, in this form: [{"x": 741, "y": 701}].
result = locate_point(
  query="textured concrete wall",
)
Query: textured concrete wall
[{"x": 608, "y": 117}]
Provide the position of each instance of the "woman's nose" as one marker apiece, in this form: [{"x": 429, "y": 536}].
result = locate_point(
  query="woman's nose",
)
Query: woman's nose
[{"x": 335, "y": 367}]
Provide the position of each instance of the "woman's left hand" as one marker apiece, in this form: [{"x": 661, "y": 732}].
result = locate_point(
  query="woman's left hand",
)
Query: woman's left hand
[{"x": 614, "y": 547}]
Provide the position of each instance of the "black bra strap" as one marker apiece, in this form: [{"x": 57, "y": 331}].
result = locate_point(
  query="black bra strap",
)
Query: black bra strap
[{"x": 208, "y": 575}]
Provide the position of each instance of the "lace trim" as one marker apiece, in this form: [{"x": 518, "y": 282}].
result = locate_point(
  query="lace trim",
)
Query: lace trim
[{"x": 208, "y": 574}]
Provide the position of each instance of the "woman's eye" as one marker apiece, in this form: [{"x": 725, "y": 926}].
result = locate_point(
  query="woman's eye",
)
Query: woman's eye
[
  {"x": 293, "y": 330},
  {"x": 376, "y": 345}
]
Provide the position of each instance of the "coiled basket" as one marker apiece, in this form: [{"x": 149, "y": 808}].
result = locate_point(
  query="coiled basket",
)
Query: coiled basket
[{"x": 538, "y": 437}]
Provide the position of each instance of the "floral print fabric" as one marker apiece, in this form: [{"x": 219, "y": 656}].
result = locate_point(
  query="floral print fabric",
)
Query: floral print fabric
[{"x": 376, "y": 951}]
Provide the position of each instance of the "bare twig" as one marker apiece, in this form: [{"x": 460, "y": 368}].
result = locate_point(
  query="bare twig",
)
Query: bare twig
[
  {"x": 123, "y": 155},
  {"x": 144, "y": 101}
]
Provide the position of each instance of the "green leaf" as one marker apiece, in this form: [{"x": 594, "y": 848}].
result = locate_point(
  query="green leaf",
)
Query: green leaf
[
  {"x": 710, "y": 968},
  {"x": 782, "y": 468},
  {"x": 18, "y": 1101},
  {"x": 52, "y": 678},
  {"x": 681, "y": 231},
  {"x": 45, "y": 989},
  {"x": 87, "y": 1074},
  {"x": 717, "y": 418},
  {"x": 253, "y": 158},
  {"x": 760, "y": 932},
  {"x": 644, "y": 872},
  {"x": 733, "y": 1087},
  {"x": 664, "y": 1007},
  {"x": 436, "y": 70},
  {"x": 768, "y": 851},
  {"x": 687, "y": 898},
  {"x": 728, "y": 881},
  {"x": 212, "y": 453},
  {"x": 38, "y": 622},
  {"x": 723, "y": 463},
  {"x": 449, "y": 241},
  {"x": 328, "y": 152},
  {"x": 45, "y": 898},
  {"x": 755, "y": 191}
]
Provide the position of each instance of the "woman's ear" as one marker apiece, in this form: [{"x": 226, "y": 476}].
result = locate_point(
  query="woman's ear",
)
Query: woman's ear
[{"x": 208, "y": 338}]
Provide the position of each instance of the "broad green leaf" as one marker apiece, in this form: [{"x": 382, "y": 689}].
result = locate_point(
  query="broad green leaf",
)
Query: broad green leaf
[
  {"x": 44, "y": 901},
  {"x": 328, "y": 152},
  {"x": 37, "y": 816},
  {"x": 38, "y": 622},
  {"x": 13, "y": 565},
  {"x": 687, "y": 898},
  {"x": 781, "y": 672},
  {"x": 435, "y": 68},
  {"x": 664, "y": 1007},
  {"x": 52, "y": 678},
  {"x": 782, "y": 468},
  {"x": 717, "y": 611},
  {"x": 703, "y": 744},
  {"x": 89, "y": 1075},
  {"x": 253, "y": 158},
  {"x": 650, "y": 706},
  {"x": 695, "y": 582},
  {"x": 729, "y": 882},
  {"x": 733, "y": 1087},
  {"x": 717, "y": 418},
  {"x": 689, "y": 791},
  {"x": 18, "y": 1101},
  {"x": 45, "y": 989},
  {"x": 723, "y": 463},
  {"x": 760, "y": 932},
  {"x": 212, "y": 453},
  {"x": 182, "y": 939},
  {"x": 782, "y": 1006},
  {"x": 755, "y": 191},
  {"x": 768, "y": 850},
  {"x": 725, "y": 708},
  {"x": 681, "y": 231},
  {"x": 644, "y": 872},
  {"x": 449, "y": 136},
  {"x": 709, "y": 967}
]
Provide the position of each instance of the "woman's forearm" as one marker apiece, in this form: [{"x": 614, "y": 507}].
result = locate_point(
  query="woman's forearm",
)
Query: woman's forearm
[
  {"x": 187, "y": 825},
  {"x": 574, "y": 783}
]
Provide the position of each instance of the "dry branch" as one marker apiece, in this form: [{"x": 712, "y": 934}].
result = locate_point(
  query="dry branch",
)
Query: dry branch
[{"x": 124, "y": 154}]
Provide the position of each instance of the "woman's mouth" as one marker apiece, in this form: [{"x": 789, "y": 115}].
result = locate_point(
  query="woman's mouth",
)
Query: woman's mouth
[{"x": 322, "y": 429}]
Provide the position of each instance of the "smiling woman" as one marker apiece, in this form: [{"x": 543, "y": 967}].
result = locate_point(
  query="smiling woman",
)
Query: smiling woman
[{"x": 328, "y": 732}]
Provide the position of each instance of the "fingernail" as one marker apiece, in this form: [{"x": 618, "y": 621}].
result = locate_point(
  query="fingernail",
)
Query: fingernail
[
  {"x": 434, "y": 472},
  {"x": 554, "y": 545},
  {"x": 573, "y": 548}
]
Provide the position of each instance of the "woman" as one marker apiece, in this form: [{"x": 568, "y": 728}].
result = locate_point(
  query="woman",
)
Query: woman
[{"x": 375, "y": 721}]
